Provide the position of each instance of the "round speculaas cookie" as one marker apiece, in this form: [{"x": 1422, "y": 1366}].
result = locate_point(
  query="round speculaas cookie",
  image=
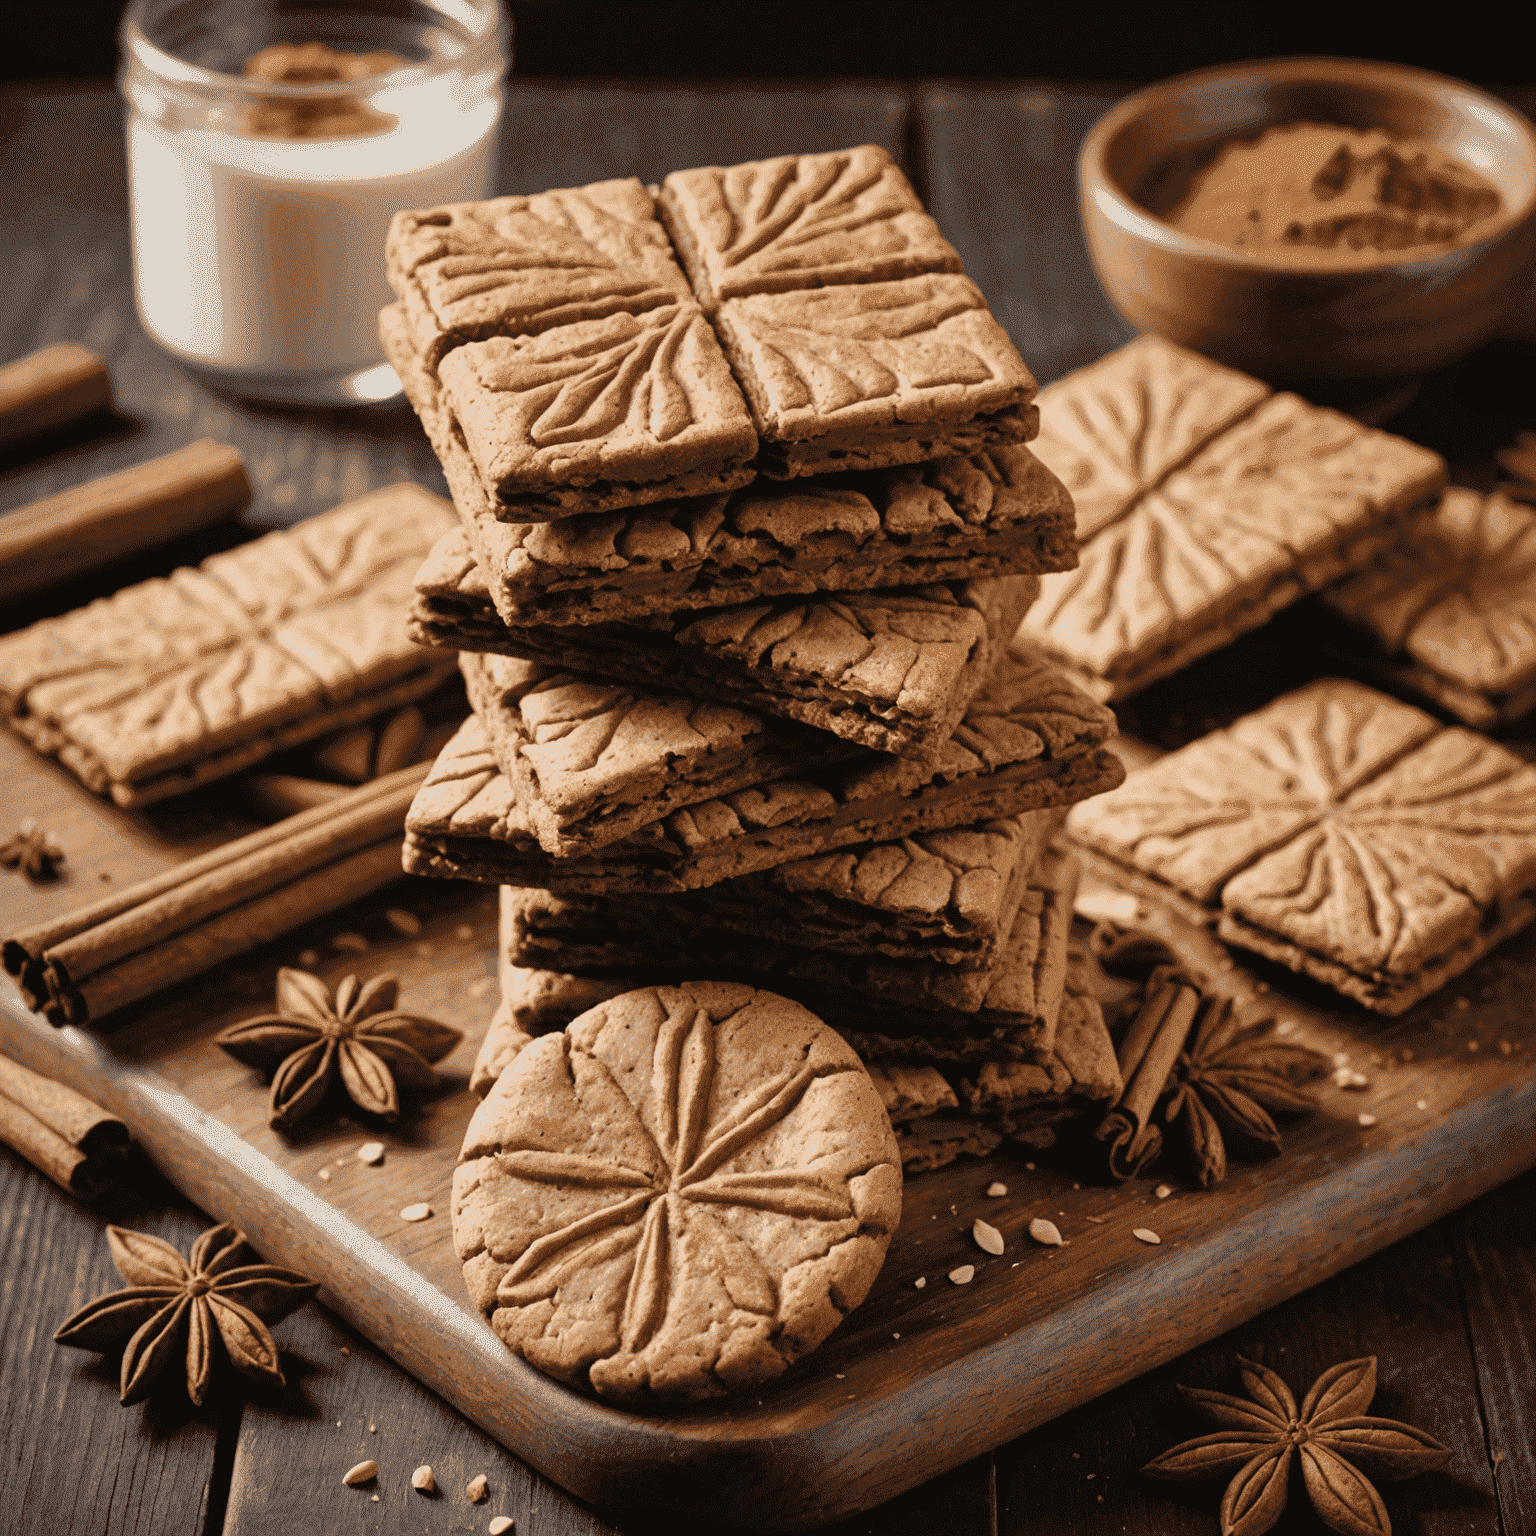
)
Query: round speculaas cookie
[{"x": 678, "y": 1195}]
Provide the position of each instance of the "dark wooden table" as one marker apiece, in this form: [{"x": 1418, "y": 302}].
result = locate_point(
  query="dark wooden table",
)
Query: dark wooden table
[{"x": 1450, "y": 1312}]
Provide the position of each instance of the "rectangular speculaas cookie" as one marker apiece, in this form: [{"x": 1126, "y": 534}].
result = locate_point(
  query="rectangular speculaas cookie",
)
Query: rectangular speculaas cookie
[
  {"x": 894, "y": 670},
  {"x": 997, "y": 514},
  {"x": 515, "y": 266},
  {"x": 1204, "y": 506},
  {"x": 858, "y": 376},
  {"x": 888, "y": 1010},
  {"x": 590, "y": 762},
  {"x": 800, "y": 221},
  {"x": 187, "y": 678},
  {"x": 1452, "y": 608},
  {"x": 1340, "y": 832},
  {"x": 1029, "y": 741},
  {"x": 943, "y": 898}
]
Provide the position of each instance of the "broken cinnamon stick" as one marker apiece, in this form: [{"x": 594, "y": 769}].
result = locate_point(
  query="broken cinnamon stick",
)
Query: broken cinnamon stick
[
  {"x": 76, "y": 1143},
  {"x": 149, "y": 936},
  {"x": 117, "y": 515},
  {"x": 1147, "y": 1054},
  {"x": 49, "y": 389}
]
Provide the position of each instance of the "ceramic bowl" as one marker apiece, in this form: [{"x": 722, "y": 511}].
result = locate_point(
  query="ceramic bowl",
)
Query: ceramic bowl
[{"x": 1297, "y": 318}]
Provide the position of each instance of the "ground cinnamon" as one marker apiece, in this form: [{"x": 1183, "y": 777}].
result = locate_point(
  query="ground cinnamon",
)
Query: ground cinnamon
[
  {"x": 103, "y": 520},
  {"x": 76, "y": 1143},
  {"x": 178, "y": 924},
  {"x": 1321, "y": 191}
]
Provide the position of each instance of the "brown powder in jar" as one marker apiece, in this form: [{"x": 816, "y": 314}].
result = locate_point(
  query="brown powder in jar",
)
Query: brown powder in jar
[
  {"x": 1317, "y": 189},
  {"x": 279, "y": 117}
]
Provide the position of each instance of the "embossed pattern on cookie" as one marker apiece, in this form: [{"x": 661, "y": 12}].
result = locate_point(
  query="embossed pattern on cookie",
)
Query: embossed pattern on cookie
[
  {"x": 662, "y": 1201},
  {"x": 801, "y": 221},
  {"x": 1204, "y": 506},
  {"x": 1456, "y": 602},
  {"x": 631, "y": 399},
  {"x": 855, "y": 376},
  {"x": 1340, "y": 832},
  {"x": 186, "y": 678},
  {"x": 515, "y": 266}
]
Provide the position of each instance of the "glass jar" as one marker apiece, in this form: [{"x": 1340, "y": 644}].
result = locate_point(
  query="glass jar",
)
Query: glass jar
[{"x": 259, "y": 204}]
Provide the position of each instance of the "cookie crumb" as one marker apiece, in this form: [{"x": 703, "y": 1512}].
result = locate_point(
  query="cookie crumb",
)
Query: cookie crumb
[
  {"x": 997, "y": 1191},
  {"x": 1341, "y": 1058},
  {"x": 373, "y": 1429},
  {"x": 1285, "y": 1026},
  {"x": 410, "y": 925},
  {"x": 1162, "y": 1191},
  {"x": 1347, "y": 1077},
  {"x": 424, "y": 950},
  {"x": 499, "y": 1524},
  {"x": 475, "y": 1488},
  {"x": 986, "y": 1237},
  {"x": 1030, "y": 1166},
  {"x": 482, "y": 986},
  {"x": 363, "y": 1472},
  {"x": 963, "y": 1275},
  {"x": 920, "y": 1282},
  {"x": 463, "y": 931},
  {"x": 421, "y": 1480},
  {"x": 1366, "y": 1119},
  {"x": 1146, "y": 1234},
  {"x": 418, "y": 1212},
  {"x": 371, "y": 1152},
  {"x": 325, "y": 1175},
  {"x": 1472, "y": 1045},
  {"x": 344, "y": 1351},
  {"x": 350, "y": 944},
  {"x": 1046, "y": 1232},
  {"x": 1406, "y": 1053},
  {"x": 1462, "y": 1004},
  {"x": 308, "y": 957},
  {"x": 1098, "y": 1221},
  {"x": 1505, "y": 1048},
  {"x": 1422, "y": 1104}
]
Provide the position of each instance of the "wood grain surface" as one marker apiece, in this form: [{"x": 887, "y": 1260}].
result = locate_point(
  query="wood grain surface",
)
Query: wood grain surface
[{"x": 1451, "y": 1311}]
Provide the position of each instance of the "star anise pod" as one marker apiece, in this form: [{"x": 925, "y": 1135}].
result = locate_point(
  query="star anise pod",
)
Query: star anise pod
[
  {"x": 374, "y": 1047},
  {"x": 33, "y": 852},
  {"x": 1230, "y": 1081},
  {"x": 177, "y": 1310},
  {"x": 1329, "y": 1433}
]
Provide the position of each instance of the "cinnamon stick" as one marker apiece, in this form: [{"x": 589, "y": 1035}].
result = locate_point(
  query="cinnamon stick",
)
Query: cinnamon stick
[
  {"x": 50, "y": 388},
  {"x": 117, "y": 515},
  {"x": 178, "y": 923},
  {"x": 1147, "y": 1054},
  {"x": 76, "y": 1143}
]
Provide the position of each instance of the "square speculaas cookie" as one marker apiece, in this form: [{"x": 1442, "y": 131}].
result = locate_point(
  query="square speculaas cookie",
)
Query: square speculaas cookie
[
  {"x": 194, "y": 676},
  {"x": 515, "y": 266},
  {"x": 894, "y": 670},
  {"x": 889, "y": 1010},
  {"x": 1340, "y": 832},
  {"x": 800, "y": 221},
  {"x": 1204, "y": 506},
  {"x": 1030, "y": 741},
  {"x": 858, "y": 376},
  {"x": 995, "y": 514},
  {"x": 1452, "y": 608}
]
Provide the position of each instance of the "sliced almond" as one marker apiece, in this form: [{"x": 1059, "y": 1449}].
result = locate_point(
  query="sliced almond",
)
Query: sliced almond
[
  {"x": 988, "y": 1238},
  {"x": 416, "y": 1212},
  {"x": 1046, "y": 1232},
  {"x": 964, "y": 1274},
  {"x": 997, "y": 1191},
  {"x": 363, "y": 1472},
  {"x": 350, "y": 943},
  {"x": 421, "y": 1480},
  {"x": 475, "y": 1488},
  {"x": 371, "y": 1152},
  {"x": 499, "y": 1524},
  {"x": 403, "y": 922},
  {"x": 1146, "y": 1234}
]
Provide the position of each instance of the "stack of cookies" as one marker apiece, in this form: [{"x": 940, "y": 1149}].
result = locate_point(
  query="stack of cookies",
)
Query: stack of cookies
[{"x": 747, "y": 529}]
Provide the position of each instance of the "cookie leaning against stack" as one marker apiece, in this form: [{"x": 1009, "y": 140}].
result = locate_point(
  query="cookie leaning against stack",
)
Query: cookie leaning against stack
[{"x": 690, "y": 690}]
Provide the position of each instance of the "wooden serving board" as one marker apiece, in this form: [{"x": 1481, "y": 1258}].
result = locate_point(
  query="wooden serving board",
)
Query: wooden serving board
[{"x": 916, "y": 1380}]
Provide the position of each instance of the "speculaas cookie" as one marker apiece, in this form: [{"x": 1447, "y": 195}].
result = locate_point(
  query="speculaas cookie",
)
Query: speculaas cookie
[
  {"x": 997, "y": 514},
  {"x": 1452, "y": 608},
  {"x": 892, "y": 670},
  {"x": 1205, "y": 505},
  {"x": 187, "y": 678},
  {"x": 889, "y": 1010},
  {"x": 515, "y": 266},
  {"x": 860, "y": 376},
  {"x": 1029, "y": 741},
  {"x": 800, "y": 221},
  {"x": 1340, "y": 832},
  {"x": 677, "y": 1196}
]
